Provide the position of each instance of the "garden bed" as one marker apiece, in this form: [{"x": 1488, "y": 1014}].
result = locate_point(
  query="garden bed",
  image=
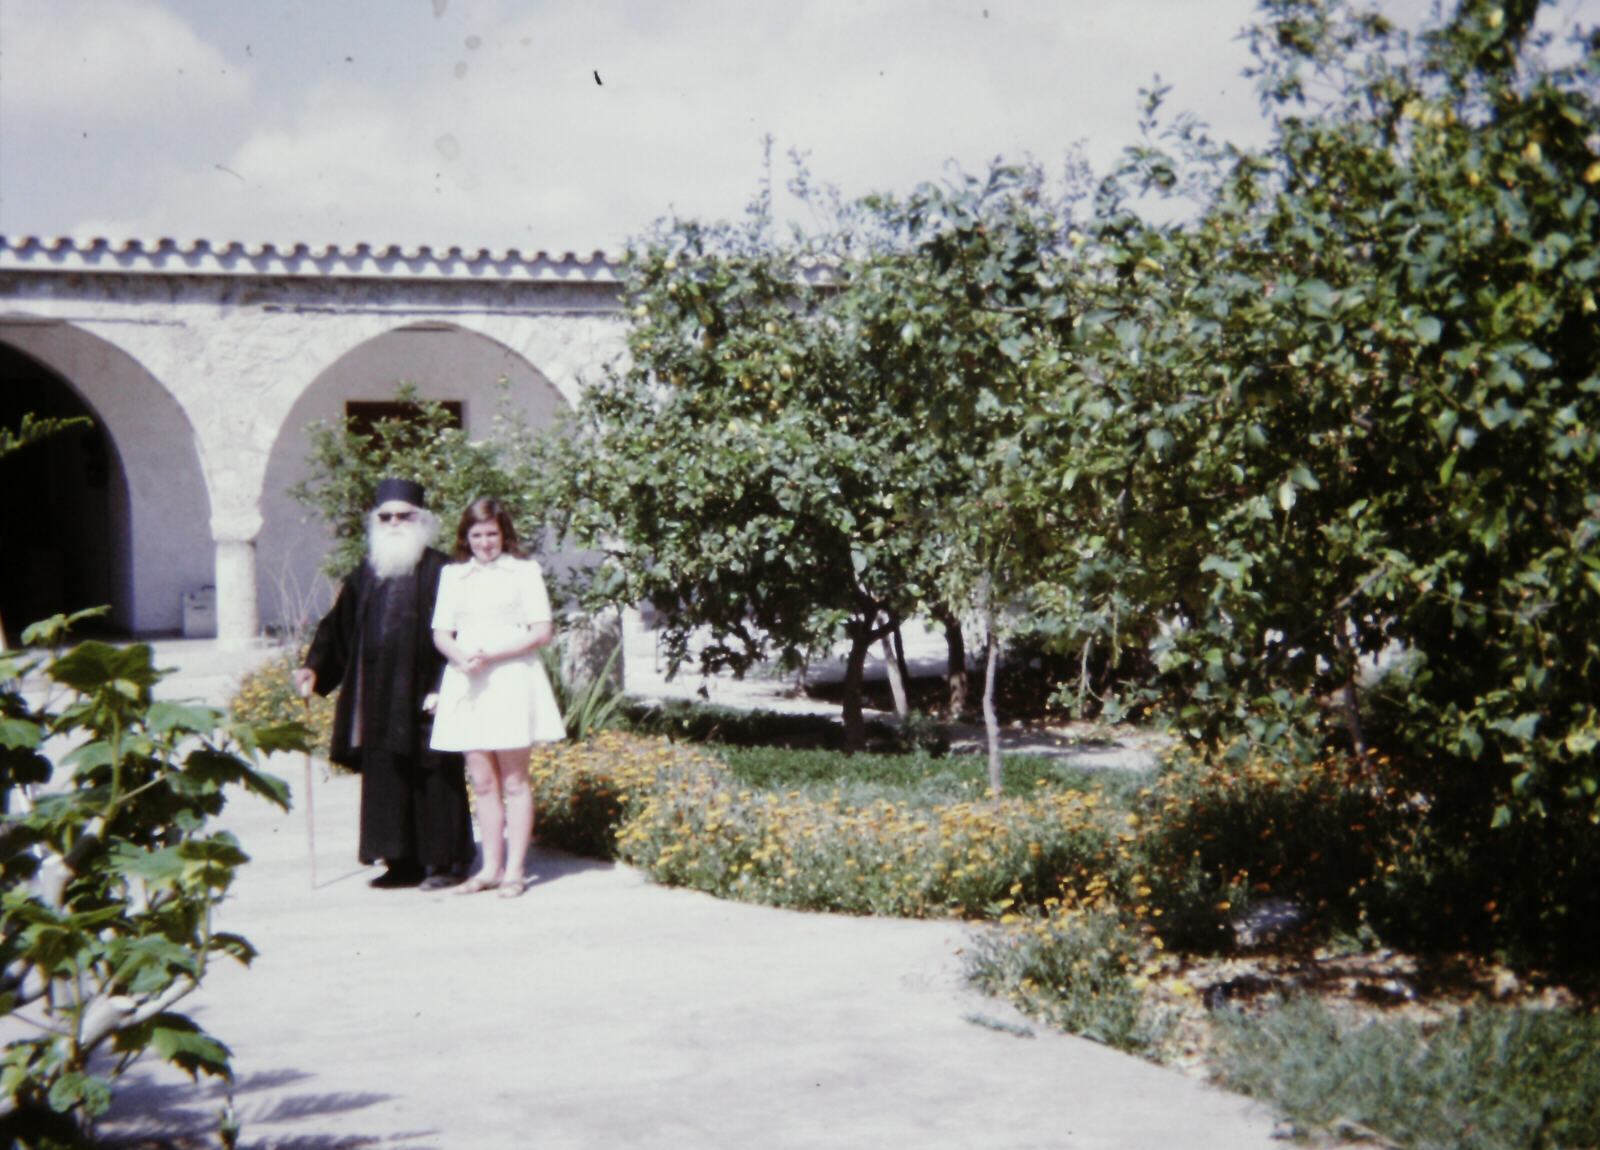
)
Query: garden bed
[{"x": 1103, "y": 925}]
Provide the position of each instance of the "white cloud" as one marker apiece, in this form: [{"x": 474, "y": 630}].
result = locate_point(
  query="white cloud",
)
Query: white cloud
[
  {"x": 486, "y": 127},
  {"x": 77, "y": 63}
]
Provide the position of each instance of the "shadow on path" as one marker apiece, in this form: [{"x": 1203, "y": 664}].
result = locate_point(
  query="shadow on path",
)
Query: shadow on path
[{"x": 153, "y": 1113}]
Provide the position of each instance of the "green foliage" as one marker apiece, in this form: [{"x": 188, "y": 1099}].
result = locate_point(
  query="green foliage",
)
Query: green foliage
[
  {"x": 860, "y": 853},
  {"x": 1357, "y": 401},
  {"x": 590, "y": 705},
  {"x": 1351, "y": 406},
  {"x": 738, "y": 475},
  {"x": 1350, "y": 409},
  {"x": 109, "y": 873},
  {"x": 1215, "y": 838},
  {"x": 1492, "y": 1078},
  {"x": 811, "y": 430},
  {"x": 1362, "y": 848},
  {"x": 346, "y": 465},
  {"x": 1079, "y": 971},
  {"x": 1453, "y": 879},
  {"x": 32, "y": 429},
  {"x": 586, "y": 792}
]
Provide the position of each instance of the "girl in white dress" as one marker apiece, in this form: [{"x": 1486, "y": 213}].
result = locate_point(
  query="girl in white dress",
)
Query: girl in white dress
[{"x": 495, "y": 702}]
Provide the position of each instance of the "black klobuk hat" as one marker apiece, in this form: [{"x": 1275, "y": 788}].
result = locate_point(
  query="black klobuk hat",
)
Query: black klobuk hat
[{"x": 405, "y": 490}]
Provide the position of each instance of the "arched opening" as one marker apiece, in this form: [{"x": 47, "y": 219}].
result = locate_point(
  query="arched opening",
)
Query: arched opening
[
  {"x": 445, "y": 362},
  {"x": 152, "y": 544},
  {"x": 64, "y": 507}
]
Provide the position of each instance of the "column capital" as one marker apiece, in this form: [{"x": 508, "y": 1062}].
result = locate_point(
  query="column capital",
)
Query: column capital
[{"x": 241, "y": 526}]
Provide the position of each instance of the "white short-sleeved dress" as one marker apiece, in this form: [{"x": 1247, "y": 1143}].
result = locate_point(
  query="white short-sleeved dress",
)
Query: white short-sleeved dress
[{"x": 509, "y": 703}]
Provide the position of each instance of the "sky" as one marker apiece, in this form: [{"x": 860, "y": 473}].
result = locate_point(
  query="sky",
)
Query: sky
[{"x": 565, "y": 125}]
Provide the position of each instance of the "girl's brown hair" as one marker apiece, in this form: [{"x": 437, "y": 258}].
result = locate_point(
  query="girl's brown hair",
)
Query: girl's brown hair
[{"x": 485, "y": 510}]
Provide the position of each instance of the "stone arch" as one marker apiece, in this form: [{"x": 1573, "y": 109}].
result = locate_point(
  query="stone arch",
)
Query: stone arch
[
  {"x": 445, "y": 361},
  {"x": 142, "y": 540}
]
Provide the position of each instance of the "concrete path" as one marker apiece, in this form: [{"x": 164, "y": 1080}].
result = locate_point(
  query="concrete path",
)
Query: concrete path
[{"x": 600, "y": 1010}]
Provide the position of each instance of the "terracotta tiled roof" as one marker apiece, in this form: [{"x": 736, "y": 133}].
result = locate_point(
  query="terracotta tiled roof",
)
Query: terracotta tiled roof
[{"x": 356, "y": 261}]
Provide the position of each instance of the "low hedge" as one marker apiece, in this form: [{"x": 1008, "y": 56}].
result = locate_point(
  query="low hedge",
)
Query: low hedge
[{"x": 679, "y": 814}]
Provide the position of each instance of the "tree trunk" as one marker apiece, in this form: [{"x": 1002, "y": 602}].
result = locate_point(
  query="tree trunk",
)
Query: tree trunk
[
  {"x": 991, "y": 723},
  {"x": 894, "y": 668},
  {"x": 956, "y": 674},
  {"x": 855, "y": 725},
  {"x": 1351, "y": 699},
  {"x": 1352, "y": 718}
]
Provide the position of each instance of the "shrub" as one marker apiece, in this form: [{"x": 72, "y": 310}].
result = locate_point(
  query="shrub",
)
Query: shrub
[
  {"x": 1080, "y": 968},
  {"x": 1403, "y": 849},
  {"x": 1493, "y": 1078},
  {"x": 1210, "y": 839},
  {"x": 109, "y": 874},
  {"x": 585, "y": 792},
  {"x": 588, "y": 705},
  {"x": 972, "y": 858},
  {"x": 1457, "y": 879},
  {"x": 681, "y": 816}
]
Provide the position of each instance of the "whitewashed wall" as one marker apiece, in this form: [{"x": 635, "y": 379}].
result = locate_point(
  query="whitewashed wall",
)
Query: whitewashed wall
[{"x": 205, "y": 382}]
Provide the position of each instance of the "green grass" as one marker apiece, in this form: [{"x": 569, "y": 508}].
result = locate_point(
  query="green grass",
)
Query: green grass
[
  {"x": 801, "y": 752},
  {"x": 918, "y": 777},
  {"x": 1493, "y": 1078}
]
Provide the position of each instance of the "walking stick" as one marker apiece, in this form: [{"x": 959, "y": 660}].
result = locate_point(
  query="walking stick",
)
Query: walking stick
[{"x": 311, "y": 822}]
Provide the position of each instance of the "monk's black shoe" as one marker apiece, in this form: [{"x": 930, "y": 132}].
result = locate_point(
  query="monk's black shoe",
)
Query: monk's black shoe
[
  {"x": 398, "y": 876},
  {"x": 440, "y": 879}
]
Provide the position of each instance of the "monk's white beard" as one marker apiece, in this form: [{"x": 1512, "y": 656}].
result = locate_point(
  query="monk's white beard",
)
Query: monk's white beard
[{"x": 394, "y": 548}]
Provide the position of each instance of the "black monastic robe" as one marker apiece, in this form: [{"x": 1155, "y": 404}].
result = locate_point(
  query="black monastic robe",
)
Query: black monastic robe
[{"x": 376, "y": 644}]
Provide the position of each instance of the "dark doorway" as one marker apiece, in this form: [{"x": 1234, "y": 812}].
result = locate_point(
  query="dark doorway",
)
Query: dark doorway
[{"x": 56, "y": 502}]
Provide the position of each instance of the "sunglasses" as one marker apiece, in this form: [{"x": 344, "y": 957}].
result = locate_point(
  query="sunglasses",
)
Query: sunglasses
[{"x": 396, "y": 516}]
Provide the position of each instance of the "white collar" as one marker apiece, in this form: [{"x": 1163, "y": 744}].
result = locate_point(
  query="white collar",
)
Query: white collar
[{"x": 473, "y": 565}]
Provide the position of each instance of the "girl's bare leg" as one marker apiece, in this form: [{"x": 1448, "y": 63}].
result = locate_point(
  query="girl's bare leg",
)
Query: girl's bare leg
[
  {"x": 512, "y": 767},
  {"x": 491, "y": 814}
]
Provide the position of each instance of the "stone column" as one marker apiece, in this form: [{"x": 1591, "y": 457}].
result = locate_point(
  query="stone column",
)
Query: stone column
[{"x": 238, "y": 618}]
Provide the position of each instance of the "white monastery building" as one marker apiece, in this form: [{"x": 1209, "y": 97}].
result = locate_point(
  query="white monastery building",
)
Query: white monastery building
[{"x": 202, "y": 365}]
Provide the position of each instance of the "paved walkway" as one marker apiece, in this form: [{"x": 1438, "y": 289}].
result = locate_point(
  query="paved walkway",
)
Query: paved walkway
[{"x": 600, "y": 1010}]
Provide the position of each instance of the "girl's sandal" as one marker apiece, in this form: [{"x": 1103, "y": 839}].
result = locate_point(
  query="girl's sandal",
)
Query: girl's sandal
[
  {"x": 476, "y": 885},
  {"x": 512, "y": 888}
]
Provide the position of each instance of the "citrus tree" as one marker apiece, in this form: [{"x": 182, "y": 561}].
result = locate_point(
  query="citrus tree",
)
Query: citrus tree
[
  {"x": 965, "y": 304},
  {"x": 1374, "y": 381},
  {"x": 744, "y": 472},
  {"x": 821, "y": 433}
]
